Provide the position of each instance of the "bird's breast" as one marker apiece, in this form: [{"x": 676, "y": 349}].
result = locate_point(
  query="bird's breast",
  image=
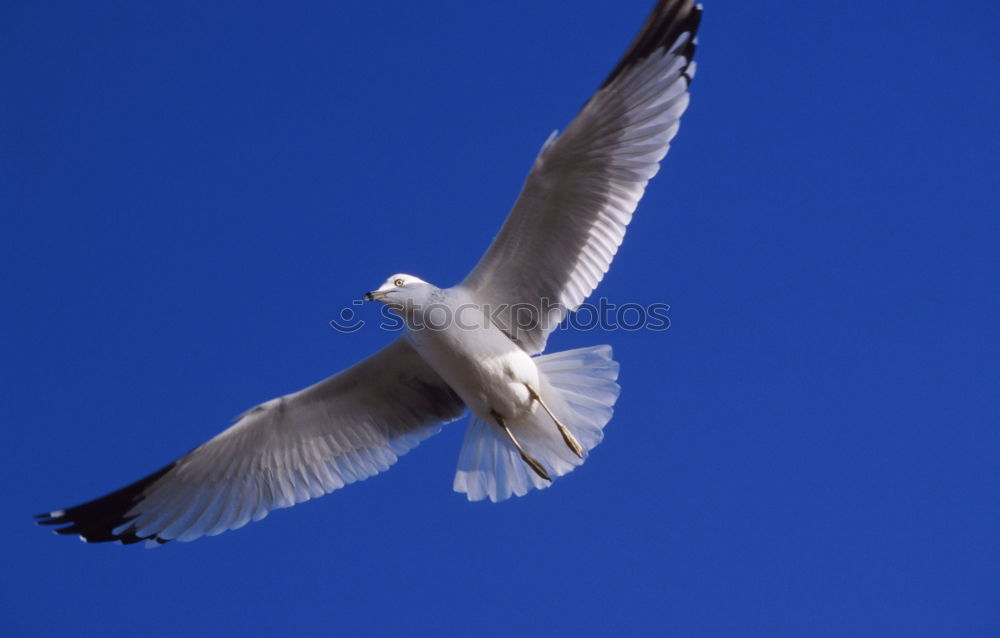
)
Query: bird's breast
[{"x": 481, "y": 364}]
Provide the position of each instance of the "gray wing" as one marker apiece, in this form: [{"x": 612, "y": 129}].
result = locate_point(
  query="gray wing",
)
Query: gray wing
[
  {"x": 570, "y": 217},
  {"x": 344, "y": 429}
]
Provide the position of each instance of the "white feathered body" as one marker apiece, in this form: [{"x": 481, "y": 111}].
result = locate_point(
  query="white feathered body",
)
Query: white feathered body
[
  {"x": 451, "y": 330},
  {"x": 453, "y": 334}
]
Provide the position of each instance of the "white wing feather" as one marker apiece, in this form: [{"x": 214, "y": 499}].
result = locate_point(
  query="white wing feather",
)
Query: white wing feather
[
  {"x": 571, "y": 215},
  {"x": 344, "y": 429}
]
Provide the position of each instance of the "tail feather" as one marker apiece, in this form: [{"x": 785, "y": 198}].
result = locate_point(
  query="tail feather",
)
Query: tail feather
[{"x": 579, "y": 387}]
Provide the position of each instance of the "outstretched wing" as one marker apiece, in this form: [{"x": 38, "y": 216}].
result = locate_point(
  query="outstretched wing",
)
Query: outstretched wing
[
  {"x": 570, "y": 217},
  {"x": 288, "y": 450}
]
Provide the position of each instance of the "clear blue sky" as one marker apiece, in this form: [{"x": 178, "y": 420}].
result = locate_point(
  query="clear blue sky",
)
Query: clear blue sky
[{"x": 190, "y": 191}]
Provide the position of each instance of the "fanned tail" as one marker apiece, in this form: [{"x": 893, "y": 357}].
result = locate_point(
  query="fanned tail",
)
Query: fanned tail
[{"x": 579, "y": 387}]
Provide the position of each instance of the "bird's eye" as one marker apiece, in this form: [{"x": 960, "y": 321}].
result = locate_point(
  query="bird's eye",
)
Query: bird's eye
[{"x": 397, "y": 283}]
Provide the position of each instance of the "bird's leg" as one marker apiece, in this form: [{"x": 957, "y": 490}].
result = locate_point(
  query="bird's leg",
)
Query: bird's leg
[
  {"x": 567, "y": 436},
  {"x": 531, "y": 461}
]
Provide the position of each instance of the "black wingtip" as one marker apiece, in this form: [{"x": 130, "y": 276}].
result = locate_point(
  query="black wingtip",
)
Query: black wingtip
[
  {"x": 96, "y": 520},
  {"x": 668, "y": 20}
]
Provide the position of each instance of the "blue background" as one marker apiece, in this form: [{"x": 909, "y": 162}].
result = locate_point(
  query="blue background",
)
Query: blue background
[{"x": 191, "y": 191}]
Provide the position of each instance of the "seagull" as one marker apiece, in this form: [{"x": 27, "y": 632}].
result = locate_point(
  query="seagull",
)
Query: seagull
[{"x": 475, "y": 347}]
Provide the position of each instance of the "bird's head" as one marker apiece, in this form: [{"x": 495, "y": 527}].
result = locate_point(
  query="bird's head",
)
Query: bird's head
[{"x": 401, "y": 290}]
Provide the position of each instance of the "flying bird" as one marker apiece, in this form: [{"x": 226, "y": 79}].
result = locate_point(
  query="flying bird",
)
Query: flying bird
[{"x": 534, "y": 417}]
